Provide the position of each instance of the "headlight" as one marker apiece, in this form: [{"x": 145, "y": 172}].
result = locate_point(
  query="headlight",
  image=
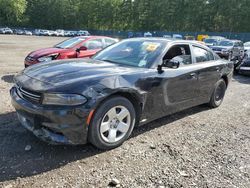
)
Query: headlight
[
  {"x": 225, "y": 51},
  {"x": 63, "y": 99},
  {"x": 48, "y": 58}
]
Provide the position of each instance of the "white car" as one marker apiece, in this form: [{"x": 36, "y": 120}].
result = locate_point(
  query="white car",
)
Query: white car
[
  {"x": 44, "y": 32},
  {"x": 147, "y": 34},
  {"x": 247, "y": 46},
  {"x": 27, "y": 32},
  {"x": 6, "y": 31},
  {"x": 59, "y": 32},
  {"x": 83, "y": 33}
]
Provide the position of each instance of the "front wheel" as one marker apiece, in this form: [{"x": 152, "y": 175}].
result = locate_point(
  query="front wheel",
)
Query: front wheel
[
  {"x": 112, "y": 123},
  {"x": 218, "y": 94}
]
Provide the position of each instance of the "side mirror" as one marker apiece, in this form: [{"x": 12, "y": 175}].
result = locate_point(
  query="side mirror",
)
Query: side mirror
[
  {"x": 82, "y": 48},
  {"x": 171, "y": 64}
]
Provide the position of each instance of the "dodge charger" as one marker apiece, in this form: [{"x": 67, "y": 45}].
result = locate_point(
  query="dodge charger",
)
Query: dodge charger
[{"x": 100, "y": 100}]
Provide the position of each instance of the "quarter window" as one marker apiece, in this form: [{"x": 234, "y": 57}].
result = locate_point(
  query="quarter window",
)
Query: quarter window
[{"x": 202, "y": 55}]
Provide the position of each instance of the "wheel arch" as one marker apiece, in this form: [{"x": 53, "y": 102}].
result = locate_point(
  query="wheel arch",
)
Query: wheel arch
[
  {"x": 132, "y": 96},
  {"x": 225, "y": 78}
]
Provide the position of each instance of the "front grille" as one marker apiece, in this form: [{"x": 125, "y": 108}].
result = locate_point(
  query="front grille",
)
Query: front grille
[
  {"x": 217, "y": 49},
  {"x": 29, "y": 95},
  {"x": 31, "y": 59}
]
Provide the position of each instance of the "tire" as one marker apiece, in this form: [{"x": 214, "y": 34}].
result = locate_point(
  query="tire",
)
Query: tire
[
  {"x": 108, "y": 122},
  {"x": 218, "y": 94}
]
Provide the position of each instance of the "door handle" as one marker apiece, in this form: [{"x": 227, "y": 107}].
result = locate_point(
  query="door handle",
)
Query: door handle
[{"x": 217, "y": 69}]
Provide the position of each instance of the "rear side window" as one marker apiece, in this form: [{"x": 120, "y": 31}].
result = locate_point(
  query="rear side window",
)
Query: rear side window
[
  {"x": 202, "y": 55},
  {"x": 93, "y": 44},
  {"x": 108, "y": 42}
]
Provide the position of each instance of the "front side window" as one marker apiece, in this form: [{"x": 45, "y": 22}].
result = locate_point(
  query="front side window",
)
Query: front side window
[
  {"x": 93, "y": 44},
  {"x": 180, "y": 53},
  {"x": 202, "y": 55},
  {"x": 70, "y": 42}
]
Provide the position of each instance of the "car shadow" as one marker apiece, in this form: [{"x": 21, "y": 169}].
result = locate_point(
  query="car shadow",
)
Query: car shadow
[
  {"x": 241, "y": 79},
  {"x": 42, "y": 157},
  {"x": 8, "y": 78}
]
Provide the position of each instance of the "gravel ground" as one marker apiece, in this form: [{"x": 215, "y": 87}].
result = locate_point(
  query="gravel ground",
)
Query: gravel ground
[{"x": 199, "y": 147}]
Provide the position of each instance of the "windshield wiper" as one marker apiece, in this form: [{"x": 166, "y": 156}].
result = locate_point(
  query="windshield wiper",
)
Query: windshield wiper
[
  {"x": 59, "y": 47},
  {"x": 107, "y": 60}
]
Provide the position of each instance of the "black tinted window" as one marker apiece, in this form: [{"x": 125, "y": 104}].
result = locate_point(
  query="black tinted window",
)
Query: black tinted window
[{"x": 202, "y": 55}]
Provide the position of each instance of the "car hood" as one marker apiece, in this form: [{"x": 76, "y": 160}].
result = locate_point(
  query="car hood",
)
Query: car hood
[
  {"x": 68, "y": 72},
  {"x": 221, "y": 47},
  {"x": 209, "y": 44},
  {"x": 46, "y": 51}
]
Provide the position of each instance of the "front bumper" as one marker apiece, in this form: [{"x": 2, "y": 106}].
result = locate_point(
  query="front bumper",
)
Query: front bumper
[
  {"x": 244, "y": 70},
  {"x": 56, "y": 125}
]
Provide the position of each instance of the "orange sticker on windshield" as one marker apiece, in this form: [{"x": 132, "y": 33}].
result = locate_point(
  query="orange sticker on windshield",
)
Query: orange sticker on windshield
[{"x": 152, "y": 47}]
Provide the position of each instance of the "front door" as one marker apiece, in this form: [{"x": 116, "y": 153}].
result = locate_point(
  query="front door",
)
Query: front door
[
  {"x": 93, "y": 46},
  {"x": 174, "y": 89}
]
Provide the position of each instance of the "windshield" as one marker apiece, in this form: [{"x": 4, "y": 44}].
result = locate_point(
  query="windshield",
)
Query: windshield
[
  {"x": 70, "y": 42},
  {"x": 226, "y": 43},
  {"x": 137, "y": 53},
  {"x": 214, "y": 41},
  {"x": 247, "y": 44}
]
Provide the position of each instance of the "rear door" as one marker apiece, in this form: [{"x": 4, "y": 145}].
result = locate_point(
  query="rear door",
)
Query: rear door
[{"x": 208, "y": 70}]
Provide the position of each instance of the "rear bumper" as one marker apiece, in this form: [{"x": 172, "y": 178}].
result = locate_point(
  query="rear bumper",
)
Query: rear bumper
[{"x": 56, "y": 125}]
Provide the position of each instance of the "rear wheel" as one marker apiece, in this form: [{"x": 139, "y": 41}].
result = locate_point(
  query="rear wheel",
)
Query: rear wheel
[
  {"x": 218, "y": 94},
  {"x": 112, "y": 123}
]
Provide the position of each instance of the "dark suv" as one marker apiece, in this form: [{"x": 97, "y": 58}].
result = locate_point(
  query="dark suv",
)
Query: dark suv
[{"x": 229, "y": 49}]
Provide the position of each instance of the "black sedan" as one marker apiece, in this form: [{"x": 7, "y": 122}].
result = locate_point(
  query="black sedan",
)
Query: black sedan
[
  {"x": 135, "y": 81},
  {"x": 244, "y": 67}
]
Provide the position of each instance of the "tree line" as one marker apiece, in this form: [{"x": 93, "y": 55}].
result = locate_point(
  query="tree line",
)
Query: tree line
[{"x": 128, "y": 15}]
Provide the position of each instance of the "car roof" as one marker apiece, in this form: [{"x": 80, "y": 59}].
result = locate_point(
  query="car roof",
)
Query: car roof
[
  {"x": 172, "y": 40},
  {"x": 92, "y": 36}
]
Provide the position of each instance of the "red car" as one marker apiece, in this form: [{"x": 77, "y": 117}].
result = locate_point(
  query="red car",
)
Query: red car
[{"x": 76, "y": 47}]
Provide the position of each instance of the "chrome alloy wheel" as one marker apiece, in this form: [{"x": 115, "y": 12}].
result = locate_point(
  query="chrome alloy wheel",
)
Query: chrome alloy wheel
[{"x": 115, "y": 124}]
